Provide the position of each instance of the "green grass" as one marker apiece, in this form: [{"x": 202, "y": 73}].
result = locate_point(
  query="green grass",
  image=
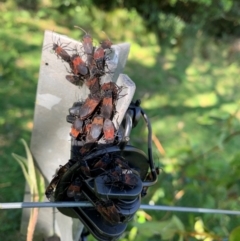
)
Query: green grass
[{"x": 189, "y": 91}]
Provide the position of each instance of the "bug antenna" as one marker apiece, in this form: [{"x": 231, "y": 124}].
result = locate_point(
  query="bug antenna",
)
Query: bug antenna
[
  {"x": 46, "y": 46},
  {"x": 81, "y": 29},
  {"x": 52, "y": 35},
  {"x": 107, "y": 36}
]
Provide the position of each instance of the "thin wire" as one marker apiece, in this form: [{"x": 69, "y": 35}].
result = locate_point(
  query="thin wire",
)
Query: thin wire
[
  {"x": 43, "y": 205},
  {"x": 88, "y": 204},
  {"x": 188, "y": 209}
]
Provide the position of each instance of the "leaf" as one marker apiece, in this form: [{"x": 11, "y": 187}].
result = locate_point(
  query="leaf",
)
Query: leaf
[
  {"x": 24, "y": 169},
  {"x": 167, "y": 229},
  {"x": 235, "y": 234},
  {"x": 199, "y": 228},
  {"x": 140, "y": 217},
  {"x": 173, "y": 2},
  {"x": 31, "y": 168},
  {"x": 36, "y": 184},
  {"x": 20, "y": 158},
  {"x": 202, "y": 100},
  {"x": 205, "y": 120},
  {"x": 159, "y": 193},
  {"x": 178, "y": 223},
  {"x": 133, "y": 233},
  {"x": 221, "y": 140},
  {"x": 40, "y": 185},
  {"x": 227, "y": 5},
  {"x": 32, "y": 175},
  {"x": 208, "y": 239}
]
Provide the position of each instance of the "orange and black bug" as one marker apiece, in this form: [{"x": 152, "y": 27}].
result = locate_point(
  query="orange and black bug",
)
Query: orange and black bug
[
  {"x": 91, "y": 82},
  {"x": 114, "y": 175},
  {"x": 129, "y": 180},
  {"x": 50, "y": 189},
  {"x": 107, "y": 105},
  {"x": 121, "y": 178},
  {"x": 99, "y": 58},
  {"x": 93, "y": 85},
  {"x": 89, "y": 106},
  {"x": 108, "y": 211},
  {"x": 74, "y": 190},
  {"x": 109, "y": 86},
  {"x": 75, "y": 109},
  {"x": 96, "y": 129},
  {"x": 106, "y": 44},
  {"x": 108, "y": 131},
  {"x": 70, "y": 119},
  {"x": 121, "y": 163},
  {"x": 114, "y": 88},
  {"x": 74, "y": 79},
  {"x": 78, "y": 66},
  {"x": 62, "y": 169},
  {"x": 86, "y": 148},
  {"x": 52, "y": 185},
  {"x": 97, "y": 68},
  {"x": 59, "y": 50},
  {"x": 87, "y": 45},
  {"x": 103, "y": 162},
  {"x": 85, "y": 168},
  {"x": 87, "y": 127},
  {"x": 95, "y": 71},
  {"x": 76, "y": 128}
]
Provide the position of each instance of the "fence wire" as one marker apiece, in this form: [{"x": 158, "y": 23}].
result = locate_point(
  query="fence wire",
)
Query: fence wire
[{"x": 17, "y": 205}]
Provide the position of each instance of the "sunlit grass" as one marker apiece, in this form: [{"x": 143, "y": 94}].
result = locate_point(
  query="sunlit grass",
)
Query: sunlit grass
[{"x": 144, "y": 55}]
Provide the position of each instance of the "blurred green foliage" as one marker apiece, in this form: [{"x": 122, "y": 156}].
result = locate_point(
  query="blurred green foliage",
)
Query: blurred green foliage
[{"x": 184, "y": 60}]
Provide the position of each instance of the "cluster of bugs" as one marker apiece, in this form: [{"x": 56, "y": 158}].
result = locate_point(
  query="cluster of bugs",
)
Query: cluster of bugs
[
  {"x": 116, "y": 175},
  {"x": 56, "y": 178},
  {"x": 85, "y": 64},
  {"x": 115, "y": 172},
  {"x": 103, "y": 169},
  {"x": 92, "y": 126},
  {"x": 91, "y": 119},
  {"x": 109, "y": 211}
]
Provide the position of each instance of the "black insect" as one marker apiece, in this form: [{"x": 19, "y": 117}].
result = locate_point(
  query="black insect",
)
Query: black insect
[
  {"x": 51, "y": 187},
  {"x": 87, "y": 45},
  {"x": 56, "y": 178},
  {"x": 93, "y": 85},
  {"x": 107, "y": 107},
  {"x": 74, "y": 190},
  {"x": 88, "y": 106},
  {"x": 108, "y": 131},
  {"x": 76, "y": 128},
  {"x": 103, "y": 162},
  {"x": 109, "y": 211},
  {"x": 78, "y": 66},
  {"x": 96, "y": 129},
  {"x": 60, "y": 50},
  {"x": 85, "y": 168},
  {"x": 121, "y": 178}
]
